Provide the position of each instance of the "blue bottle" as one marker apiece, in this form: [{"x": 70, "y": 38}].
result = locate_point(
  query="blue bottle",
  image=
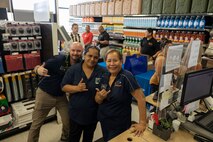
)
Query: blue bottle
[
  {"x": 197, "y": 22},
  {"x": 180, "y": 23},
  {"x": 166, "y": 24},
  {"x": 202, "y": 23},
  {"x": 171, "y": 22},
  {"x": 191, "y": 22},
  {"x": 159, "y": 21},
  {"x": 176, "y": 21},
  {"x": 186, "y": 22},
  {"x": 163, "y": 21}
]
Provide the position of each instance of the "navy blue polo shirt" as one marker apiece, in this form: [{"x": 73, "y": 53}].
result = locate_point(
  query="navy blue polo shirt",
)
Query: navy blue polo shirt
[
  {"x": 82, "y": 105},
  {"x": 117, "y": 105},
  {"x": 149, "y": 46},
  {"x": 56, "y": 67},
  {"x": 103, "y": 36}
]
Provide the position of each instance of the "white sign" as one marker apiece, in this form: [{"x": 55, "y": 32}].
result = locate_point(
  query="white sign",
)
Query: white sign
[
  {"x": 194, "y": 53},
  {"x": 173, "y": 58}
]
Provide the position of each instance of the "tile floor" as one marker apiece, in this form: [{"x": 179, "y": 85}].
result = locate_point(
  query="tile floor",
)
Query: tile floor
[{"x": 50, "y": 132}]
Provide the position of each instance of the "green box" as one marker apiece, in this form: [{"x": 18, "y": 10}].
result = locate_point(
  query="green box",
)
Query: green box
[
  {"x": 157, "y": 6},
  {"x": 169, "y": 6},
  {"x": 210, "y": 6},
  {"x": 146, "y": 6},
  {"x": 199, "y": 6},
  {"x": 183, "y": 6}
]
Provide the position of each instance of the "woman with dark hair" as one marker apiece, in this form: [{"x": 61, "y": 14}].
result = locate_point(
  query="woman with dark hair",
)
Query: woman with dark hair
[
  {"x": 114, "y": 97},
  {"x": 81, "y": 81},
  {"x": 159, "y": 62}
]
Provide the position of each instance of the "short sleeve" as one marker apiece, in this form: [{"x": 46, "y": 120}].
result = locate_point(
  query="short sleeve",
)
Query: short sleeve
[
  {"x": 131, "y": 83},
  {"x": 68, "y": 77},
  {"x": 106, "y": 36}
]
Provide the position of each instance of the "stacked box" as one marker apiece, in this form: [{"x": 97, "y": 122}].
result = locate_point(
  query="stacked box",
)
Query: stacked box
[
  {"x": 82, "y": 10},
  {"x": 104, "y": 8},
  {"x": 78, "y": 10},
  {"x": 169, "y": 6},
  {"x": 199, "y": 6},
  {"x": 118, "y": 7},
  {"x": 136, "y": 7},
  {"x": 183, "y": 6},
  {"x": 87, "y": 9},
  {"x": 127, "y": 7},
  {"x": 74, "y": 12},
  {"x": 146, "y": 6},
  {"x": 92, "y": 9},
  {"x": 111, "y": 8},
  {"x": 157, "y": 6},
  {"x": 210, "y": 6},
  {"x": 97, "y": 8}
]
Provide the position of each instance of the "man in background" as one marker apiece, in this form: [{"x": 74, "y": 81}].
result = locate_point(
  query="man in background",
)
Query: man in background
[
  {"x": 87, "y": 37},
  {"x": 149, "y": 44},
  {"x": 103, "y": 41},
  {"x": 75, "y": 37}
]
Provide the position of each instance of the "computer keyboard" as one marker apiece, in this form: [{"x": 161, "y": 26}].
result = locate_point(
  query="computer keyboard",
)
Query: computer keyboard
[{"x": 206, "y": 121}]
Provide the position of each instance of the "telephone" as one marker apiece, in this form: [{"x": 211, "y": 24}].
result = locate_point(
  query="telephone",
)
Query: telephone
[{"x": 209, "y": 102}]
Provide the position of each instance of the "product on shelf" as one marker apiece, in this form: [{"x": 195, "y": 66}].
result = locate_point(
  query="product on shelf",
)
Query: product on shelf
[
  {"x": 168, "y": 6},
  {"x": 127, "y": 7},
  {"x": 183, "y": 6},
  {"x": 157, "y": 6},
  {"x": 4, "y": 107},
  {"x": 199, "y": 6},
  {"x": 146, "y": 6}
]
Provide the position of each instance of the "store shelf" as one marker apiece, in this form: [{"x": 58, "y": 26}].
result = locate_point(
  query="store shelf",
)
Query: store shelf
[
  {"x": 91, "y": 22},
  {"x": 21, "y": 128},
  {"x": 157, "y": 15},
  {"x": 111, "y": 23},
  {"x": 159, "y": 28}
]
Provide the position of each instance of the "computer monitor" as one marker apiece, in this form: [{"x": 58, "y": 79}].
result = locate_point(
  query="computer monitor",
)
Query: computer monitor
[
  {"x": 3, "y": 14},
  {"x": 63, "y": 35},
  {"x": 197, "y": 85}
]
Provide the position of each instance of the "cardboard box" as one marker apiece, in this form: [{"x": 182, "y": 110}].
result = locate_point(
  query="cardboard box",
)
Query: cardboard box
[
  {"x": 104, "y": 9},
  {"x": 118, "y": 7},
  {"x": 111, "y": 7},
  {"x": 87, "y": 9},
  {"x": 157, "y": 6},
  {"x": 98, "y": 8},
  {"x": 199, "y": 6},
  {"x": 183, "y": 6},
  {"x": 92, "y": 9},
  {"x": 127, "y": 7},
  {"x": 82, "y": 10},
  {"x": 136, "y": 7},
  {"x": 169, "y": 6},
  {"x": 146, "y": 6}
]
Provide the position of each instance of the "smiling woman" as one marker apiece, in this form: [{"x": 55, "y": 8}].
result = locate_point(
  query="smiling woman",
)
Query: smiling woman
[
  {"x": 81, "y": 81},
  {"x": 114, "y": 97}
]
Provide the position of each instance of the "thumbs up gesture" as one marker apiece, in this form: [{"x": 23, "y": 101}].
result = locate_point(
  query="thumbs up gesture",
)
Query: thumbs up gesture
[{"x": 82, "y": 86}]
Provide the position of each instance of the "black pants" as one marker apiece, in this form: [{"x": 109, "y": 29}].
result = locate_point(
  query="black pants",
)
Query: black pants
[{"x": 77, "y": 129}]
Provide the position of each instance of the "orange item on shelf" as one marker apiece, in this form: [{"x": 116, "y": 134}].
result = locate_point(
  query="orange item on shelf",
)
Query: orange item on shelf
[
  {"x": 171, "y": 36},
  {"x": 181, "y": 39},
  {"x": 177, "y": 36},
  {"x": 187, "y": 37}
]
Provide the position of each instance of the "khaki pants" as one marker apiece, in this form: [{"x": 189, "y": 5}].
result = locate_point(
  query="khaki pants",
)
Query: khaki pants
[
  {"x": 103, "y": 52},
  {"x": 43, "y": 104}
]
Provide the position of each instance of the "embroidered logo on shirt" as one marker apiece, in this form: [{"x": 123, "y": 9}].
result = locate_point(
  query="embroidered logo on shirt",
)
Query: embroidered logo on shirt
[
  {"x": 97, "y": 80},
  {"x": 118, "y": 84}
]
